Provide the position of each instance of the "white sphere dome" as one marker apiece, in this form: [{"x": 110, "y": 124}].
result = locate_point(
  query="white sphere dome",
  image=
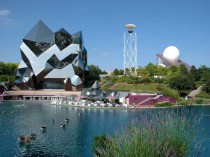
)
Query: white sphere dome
[{"x": 172, "y": 53}]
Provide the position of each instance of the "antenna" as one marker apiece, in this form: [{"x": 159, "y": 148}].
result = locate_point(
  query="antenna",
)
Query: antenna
[{"x": 130, "y": 51}]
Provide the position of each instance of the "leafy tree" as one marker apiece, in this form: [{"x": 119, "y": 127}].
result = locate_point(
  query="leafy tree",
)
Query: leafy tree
[
  {"x": 162, "y": 71},
  {"x": 152, "y": 69},
  {"x": 182, "y": 83},
  {"x": 133, "y": 70},
  {"x": 195, "y": 73},
  {"x": 2, "y": 67},
  {"x": 7, "y": 71},
  {"x": 142, "y": 72},
  {"x": 115, "y": 72},
  {"x": 104, "y": 72},
  {"x": 121, "y": 72},
  {"x": 204, "y": 73},
  {"x": 172, "y": 72},
  {"x": 206, "y": 87},
  {"x": 183, "y": 69}
]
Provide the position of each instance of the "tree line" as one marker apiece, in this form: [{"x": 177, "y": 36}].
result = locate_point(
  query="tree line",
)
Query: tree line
[{"x": 179, "y": 78}]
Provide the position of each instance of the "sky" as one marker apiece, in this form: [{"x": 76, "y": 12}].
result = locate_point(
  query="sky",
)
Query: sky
[{"x": 184, "y": 24}]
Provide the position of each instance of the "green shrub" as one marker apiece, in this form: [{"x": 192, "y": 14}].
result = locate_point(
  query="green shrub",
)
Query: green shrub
[
  {"x": 168, "y": 92},
  {"x": 106, "y": 87},
  {"x": 154, "y": 135},
  {"x": 7, "y": 78},
  {"x": 99, "y": 142},
  {"x": 199, "y": 101},
  {"x": 164, "y": 104}
]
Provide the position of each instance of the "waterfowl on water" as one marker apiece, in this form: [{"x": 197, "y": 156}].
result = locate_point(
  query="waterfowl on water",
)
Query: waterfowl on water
[
  {"x": 62, "y": 125},
  {"x": 33, "y": 135},
  {"x": 43, "y": 127},
  {"x": 28, "y": 139},
  {"x": 21, "y": 138},
  {"x": 66, "y": 119}
]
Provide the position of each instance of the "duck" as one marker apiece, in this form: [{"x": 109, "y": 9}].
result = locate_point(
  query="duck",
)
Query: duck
[
  {"x": 33, "y": 135},
  {"x": 28, "y": 139},
  {"x": 67, "y": 120},
  {"x": 43, "y": 127},
  {"x": 21, "y": 139},
  {"x": 62, "y": 125}
]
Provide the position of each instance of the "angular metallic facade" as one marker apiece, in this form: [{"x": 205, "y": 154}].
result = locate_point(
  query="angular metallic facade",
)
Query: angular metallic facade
[{"x": 52, "y": 60}]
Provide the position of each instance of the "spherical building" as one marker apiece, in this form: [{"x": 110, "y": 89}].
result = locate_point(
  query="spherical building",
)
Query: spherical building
[
  {"x": 172, "y": 53},
  {"x": 171, "y": 57}
]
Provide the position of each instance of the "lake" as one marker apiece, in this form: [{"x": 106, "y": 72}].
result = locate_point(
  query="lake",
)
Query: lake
[{"x": 75, "y": 140}]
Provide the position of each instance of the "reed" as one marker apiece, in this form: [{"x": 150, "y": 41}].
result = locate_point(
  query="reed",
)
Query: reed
[{"x": 164, "y": 133}]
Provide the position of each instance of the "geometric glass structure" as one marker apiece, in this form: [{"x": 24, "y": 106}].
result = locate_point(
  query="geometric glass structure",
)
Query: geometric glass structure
[
  {"x": 130, "y": 51},
  {"x": 52, "y": 60}
]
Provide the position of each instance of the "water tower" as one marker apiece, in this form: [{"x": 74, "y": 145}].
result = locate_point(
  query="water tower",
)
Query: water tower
[{"x": 130, "y": 50}]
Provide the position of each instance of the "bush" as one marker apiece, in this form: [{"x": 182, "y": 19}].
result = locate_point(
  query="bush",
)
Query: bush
[
  {"x": 164, "y": 104},
  {"x": 182, "y": 83},
  {"x": 199, "y": 101},
  {"x": 6, "y": 78},
  {"x": 167, "y": 92},
  {"x": 99, "y": 142},
  {"x": 154, "y": 135}
]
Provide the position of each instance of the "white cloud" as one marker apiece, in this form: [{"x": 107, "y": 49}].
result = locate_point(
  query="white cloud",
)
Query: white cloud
[
  {"x": 4, "y": 12},
  {"x": 5, "y": 19}
]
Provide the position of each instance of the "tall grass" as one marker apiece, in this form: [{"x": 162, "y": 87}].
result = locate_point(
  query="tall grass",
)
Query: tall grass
[{"x": 170, "y": 133}]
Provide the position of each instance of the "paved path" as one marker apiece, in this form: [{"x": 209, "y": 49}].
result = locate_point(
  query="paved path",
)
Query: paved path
[{"x": 195, "y": 92}]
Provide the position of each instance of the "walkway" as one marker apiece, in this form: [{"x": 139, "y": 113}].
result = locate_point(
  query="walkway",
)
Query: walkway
[{"x": 195, "y": 92}]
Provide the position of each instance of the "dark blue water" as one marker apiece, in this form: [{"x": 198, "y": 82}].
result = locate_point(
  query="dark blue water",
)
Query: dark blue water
[{"x": 22, "y": 118}]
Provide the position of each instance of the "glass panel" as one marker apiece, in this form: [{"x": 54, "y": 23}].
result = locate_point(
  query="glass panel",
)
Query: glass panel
[
  {"x": 62, "y": 40},
  {"x": 37, "y": 47}
]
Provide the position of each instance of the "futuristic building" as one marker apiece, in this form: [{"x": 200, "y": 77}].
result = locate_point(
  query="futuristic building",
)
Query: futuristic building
[
  {"x": 52, "y": 60},
  {"x": 171, "y": 57}
]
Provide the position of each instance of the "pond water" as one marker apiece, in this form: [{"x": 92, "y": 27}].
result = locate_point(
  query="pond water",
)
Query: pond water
[{"x": 22, "y": 118}]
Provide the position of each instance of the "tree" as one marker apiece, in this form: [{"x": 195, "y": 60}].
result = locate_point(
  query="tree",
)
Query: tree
[
  {"x": 121, "y": 72},
  {"x": 183, "y": 69},
  {"x": 162, "y": 71},
  {"x": 142, "y": 72},
  {"x": 195, "y": 73},
  {"x": 2, "y": 67},
  {"x": 152, "y": 69},
  {"x": 115, "y": 72},
  {"x": 204, "y": 73},
  {"x": 206, "y": 87},
  {"x": 182, "y": 83}
]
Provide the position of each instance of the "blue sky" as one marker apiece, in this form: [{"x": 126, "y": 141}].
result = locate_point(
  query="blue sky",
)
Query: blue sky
[{"x": 160, "y": 23}]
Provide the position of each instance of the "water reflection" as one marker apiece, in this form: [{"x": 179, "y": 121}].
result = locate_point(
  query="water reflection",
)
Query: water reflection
[{"x": 22, "y": 118}]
